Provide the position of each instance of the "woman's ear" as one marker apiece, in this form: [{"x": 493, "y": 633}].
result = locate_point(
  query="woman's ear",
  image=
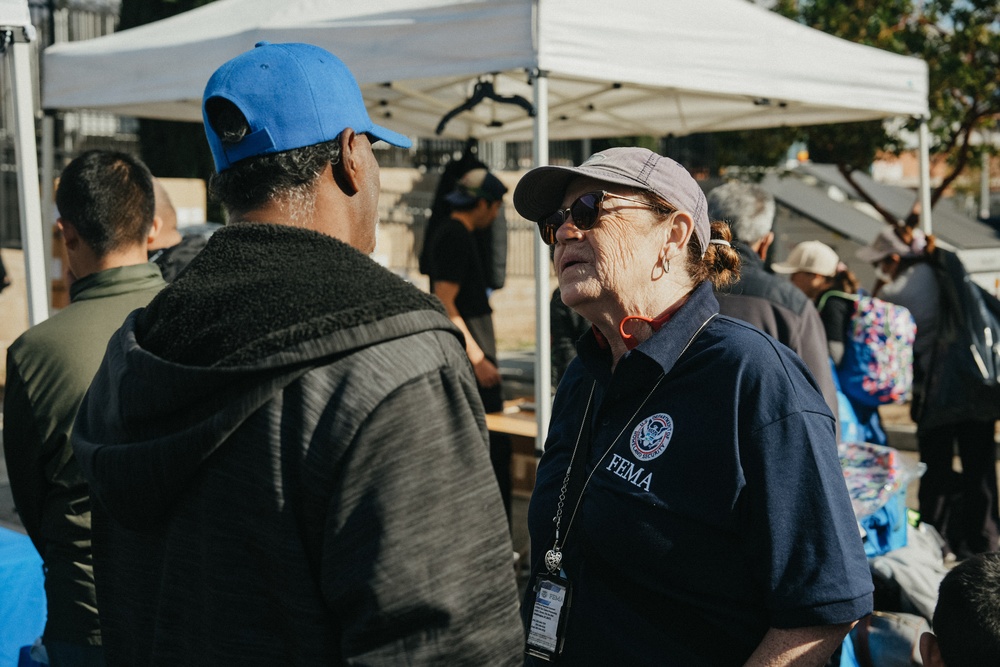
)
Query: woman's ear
[{"x": 681, "y": 226}]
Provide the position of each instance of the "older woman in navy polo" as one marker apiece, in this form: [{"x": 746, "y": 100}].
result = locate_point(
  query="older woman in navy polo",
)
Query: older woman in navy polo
[{"x": 689, "y": 508}]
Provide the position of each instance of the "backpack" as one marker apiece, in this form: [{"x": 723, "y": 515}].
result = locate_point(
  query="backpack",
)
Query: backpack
[
  {"x": 964, "y": 380},
  {"x": 877, "y": 367}
]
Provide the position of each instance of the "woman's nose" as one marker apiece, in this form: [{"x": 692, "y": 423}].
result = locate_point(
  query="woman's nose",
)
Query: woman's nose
[{"x": 568, "y": 230}]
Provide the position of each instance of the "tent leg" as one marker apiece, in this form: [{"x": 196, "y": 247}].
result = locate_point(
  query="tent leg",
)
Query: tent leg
[
  {"x": 27, "y": 184},
  {"x": 925, "y": 178},
  {"x": 984, "y": 187},
  {"x": 543, "y": 345},
  {"x": 48, "y": 194}
]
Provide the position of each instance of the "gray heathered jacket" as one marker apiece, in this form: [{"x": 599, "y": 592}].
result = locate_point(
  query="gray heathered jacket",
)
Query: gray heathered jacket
[
  {"x": 289, "y": 459},
  {"x": 778, "y": 308}
]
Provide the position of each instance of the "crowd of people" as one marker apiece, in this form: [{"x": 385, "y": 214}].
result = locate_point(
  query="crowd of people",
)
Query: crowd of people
[{"x": 263, "y": 448}]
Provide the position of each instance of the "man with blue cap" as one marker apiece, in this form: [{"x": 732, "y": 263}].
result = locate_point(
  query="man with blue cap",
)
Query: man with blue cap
[{"x": 286, "y": 448}]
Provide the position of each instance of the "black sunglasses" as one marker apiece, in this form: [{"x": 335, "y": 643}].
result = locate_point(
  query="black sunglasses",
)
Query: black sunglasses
[{"x": 585, "y": 211}]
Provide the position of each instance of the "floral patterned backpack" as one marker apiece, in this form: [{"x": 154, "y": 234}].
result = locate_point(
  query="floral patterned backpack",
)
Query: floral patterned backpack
[{"x": 877, "y": 367}]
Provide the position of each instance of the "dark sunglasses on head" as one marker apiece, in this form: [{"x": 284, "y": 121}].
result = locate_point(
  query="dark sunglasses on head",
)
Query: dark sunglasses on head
[{"x": 585, "y": 211}]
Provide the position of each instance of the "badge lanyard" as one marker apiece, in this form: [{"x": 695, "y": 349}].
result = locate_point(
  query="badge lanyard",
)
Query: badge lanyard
[
  {"x": 553, "y": 557},
  {"x": 546, "y": 631}
]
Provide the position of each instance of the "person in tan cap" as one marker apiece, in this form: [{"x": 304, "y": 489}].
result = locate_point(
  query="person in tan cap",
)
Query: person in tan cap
[
  {"x": 812, "y": 266},
  {"x": 816, "y": 269}
]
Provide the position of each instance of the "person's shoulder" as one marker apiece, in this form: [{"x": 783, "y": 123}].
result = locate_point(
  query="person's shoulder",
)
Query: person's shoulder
[
  {"x": 738, "y": 331},
  {"x": 760, "y": 362},
  {"x": 785, "y": 294},
  {"x": 834, "y": 301},
  {"x": 923, "y": 273},
  {"x": 429, "y": 359},
  {"x": 48, "y": 331},
  {"x": 774, "y": 289},
  {"x": 741, "y": 344},
  {"x": 449, "y": 249}
]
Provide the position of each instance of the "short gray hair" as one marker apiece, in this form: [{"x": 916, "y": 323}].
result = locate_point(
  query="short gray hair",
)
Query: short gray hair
[{"x": 747, "y": 207}]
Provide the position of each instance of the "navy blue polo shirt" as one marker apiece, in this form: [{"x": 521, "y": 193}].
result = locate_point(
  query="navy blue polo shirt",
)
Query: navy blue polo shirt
[{"x": 716, "y": 510}]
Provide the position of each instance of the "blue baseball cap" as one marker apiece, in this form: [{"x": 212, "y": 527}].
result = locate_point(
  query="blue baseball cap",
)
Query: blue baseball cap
[{"x": 293, "y": 95}]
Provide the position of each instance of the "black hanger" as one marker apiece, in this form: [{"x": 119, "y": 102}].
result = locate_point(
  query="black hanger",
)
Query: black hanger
[{"x": 484, "y": 91}]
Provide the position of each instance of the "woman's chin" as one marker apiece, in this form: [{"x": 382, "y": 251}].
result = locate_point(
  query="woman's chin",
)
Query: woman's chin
[{"x": 575, "y": 294}]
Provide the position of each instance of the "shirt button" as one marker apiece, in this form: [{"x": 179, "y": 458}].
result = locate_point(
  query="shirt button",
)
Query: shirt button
[{"x": 605, "y": 421}]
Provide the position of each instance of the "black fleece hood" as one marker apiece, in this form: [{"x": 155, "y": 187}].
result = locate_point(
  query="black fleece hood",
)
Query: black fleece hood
[{"x": 258, "y": 308}]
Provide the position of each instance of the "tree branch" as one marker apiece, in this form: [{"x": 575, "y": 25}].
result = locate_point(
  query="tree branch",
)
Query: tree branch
[{"x": 847, "y": 171}]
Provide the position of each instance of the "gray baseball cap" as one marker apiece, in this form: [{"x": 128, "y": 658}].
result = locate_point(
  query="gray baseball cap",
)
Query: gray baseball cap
[{"x": 540, "y": 192}]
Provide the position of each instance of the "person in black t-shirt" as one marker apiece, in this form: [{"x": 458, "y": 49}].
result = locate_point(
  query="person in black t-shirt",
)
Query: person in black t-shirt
[{"x": 459, "y": 280}]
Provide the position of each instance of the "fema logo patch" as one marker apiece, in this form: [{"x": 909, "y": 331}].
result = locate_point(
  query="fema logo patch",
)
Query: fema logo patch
[{"x": 651, "y": 437}]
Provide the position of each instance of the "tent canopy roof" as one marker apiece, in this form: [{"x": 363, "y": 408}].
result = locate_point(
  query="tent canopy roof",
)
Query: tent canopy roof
[
  {"x": 653, "y": 67},
  {"x": 14, "y": 14}
]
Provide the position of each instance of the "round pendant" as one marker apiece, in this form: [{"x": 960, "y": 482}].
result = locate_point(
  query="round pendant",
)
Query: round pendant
[{"x": 553, "y": 560}]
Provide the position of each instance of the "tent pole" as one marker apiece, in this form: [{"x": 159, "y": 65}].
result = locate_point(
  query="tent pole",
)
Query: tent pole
[
  {"x": 543, "y": 345},
  {"x": 48, "y": 196},
  {"x": 27, "y": 179},
  {"x": 925, "y": 178},
  {"x": 984, "y": 186}
]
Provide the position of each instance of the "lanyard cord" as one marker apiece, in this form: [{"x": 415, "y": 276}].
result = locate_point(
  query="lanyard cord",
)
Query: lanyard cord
[{"x": 553, "y": 557}]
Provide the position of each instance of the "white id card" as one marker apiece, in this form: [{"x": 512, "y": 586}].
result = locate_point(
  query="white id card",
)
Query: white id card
[{"x": 548, "y": 617}]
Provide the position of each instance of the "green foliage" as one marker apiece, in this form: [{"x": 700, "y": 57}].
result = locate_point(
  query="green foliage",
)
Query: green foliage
[
  {"x": 852, "y": 144},
  {"x": 652, "y": 143},
  {"x": 750, "y": 148},
  {"x": 140, "y": 12},
  {"x": 959, "y": 40}
]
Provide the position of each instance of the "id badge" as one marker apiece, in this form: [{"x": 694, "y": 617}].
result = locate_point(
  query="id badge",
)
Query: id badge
[{"x": 547, "y": 630}]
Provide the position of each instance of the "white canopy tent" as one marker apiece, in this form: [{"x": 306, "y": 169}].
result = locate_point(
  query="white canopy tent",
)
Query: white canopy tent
[
  {"x": 16, "y": 34},
  {"x": 592, "y": 68},
  {"x": 615, "y": 67}
]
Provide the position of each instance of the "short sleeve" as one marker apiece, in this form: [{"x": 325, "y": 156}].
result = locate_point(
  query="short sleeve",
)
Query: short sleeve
[
  {"x": 803, "y": 537},
  {"x": 449, "y": 256}
]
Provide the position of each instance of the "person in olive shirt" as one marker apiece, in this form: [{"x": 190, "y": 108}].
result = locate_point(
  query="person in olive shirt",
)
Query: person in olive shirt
[{"x": 106, "y": 204}]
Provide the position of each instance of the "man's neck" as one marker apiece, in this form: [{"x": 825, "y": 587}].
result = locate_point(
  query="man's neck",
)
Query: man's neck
[
  {"x": 167, "y": 238},
  {"x": 466, "y": 218},
  {"x": 85, "y": 266}
]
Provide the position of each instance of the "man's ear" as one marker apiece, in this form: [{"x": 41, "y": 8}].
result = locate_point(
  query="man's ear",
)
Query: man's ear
[
  {"x": 930, "y": 652},
  {"x": 765, "y": 245},
  {"x": 154, "y": 229},
  {"x": 348, "y": 171},
  {"x": 71, "y": 239}
]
